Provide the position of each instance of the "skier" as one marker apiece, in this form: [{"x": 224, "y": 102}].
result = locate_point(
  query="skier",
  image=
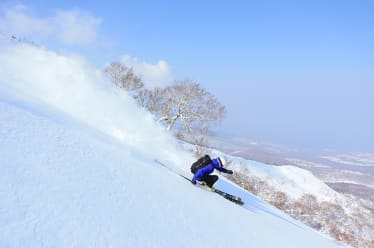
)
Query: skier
[{"x": 203, "y": 173}]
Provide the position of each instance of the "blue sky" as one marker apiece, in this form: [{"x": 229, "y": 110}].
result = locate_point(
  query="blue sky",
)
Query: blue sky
[{"x": 293, "y": 72}]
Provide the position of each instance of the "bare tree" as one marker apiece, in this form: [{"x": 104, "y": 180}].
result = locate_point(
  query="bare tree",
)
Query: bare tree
[
  {"x": 123, "y": 77},
  {"x": 185, "y": 103},
  {"x": 151, "y": 100},
  {"x": 190, "y": 104},
  {"x": 278, "y": 199}
]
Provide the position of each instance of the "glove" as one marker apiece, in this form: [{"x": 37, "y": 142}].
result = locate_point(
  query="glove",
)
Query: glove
[
  {"x": 230, "y": 172},
  {"x": 193, "y": 182}
]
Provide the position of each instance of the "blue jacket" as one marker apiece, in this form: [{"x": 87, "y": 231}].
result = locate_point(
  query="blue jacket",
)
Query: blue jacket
[{"x": 206, "y": 170}]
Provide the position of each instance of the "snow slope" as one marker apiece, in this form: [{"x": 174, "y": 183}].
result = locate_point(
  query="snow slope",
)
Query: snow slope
[
  {"x": 291, "y": 180},
  {"x": 78, "y": 170}
]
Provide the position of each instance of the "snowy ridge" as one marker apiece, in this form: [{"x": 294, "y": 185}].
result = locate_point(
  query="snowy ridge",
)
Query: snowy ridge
[
  {"x": 68, "y": 180},
  {"x": 290, "y": 179},
  {"x": 293, "y": 181}
]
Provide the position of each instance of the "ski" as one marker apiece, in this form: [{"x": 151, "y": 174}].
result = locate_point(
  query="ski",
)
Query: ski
[
  {"x": 233, "y": 198},
  {"x": 227, "y": 196}
]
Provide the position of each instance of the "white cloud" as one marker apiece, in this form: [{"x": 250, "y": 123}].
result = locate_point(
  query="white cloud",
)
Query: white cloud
[
  {"x": 76, "y": 27},
  {"x": 70, "y": 27},
  {"x": 20, "y": 21},
  {"x": 154, "y": 75}
]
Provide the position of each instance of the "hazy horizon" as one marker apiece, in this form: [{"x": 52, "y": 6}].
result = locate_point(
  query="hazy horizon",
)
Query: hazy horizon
[{"x": 305, "y": 118}]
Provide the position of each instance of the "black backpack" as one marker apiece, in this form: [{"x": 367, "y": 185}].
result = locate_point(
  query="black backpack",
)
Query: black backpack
[{"x": 201, "y": 162}]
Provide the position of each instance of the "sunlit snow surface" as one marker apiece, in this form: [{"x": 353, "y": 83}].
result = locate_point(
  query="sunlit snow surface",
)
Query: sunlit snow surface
[{"x": 68, "y": 180}]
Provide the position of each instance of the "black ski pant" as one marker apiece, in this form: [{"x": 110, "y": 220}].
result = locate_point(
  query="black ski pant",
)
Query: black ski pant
[{"x": 210, "y": 180}]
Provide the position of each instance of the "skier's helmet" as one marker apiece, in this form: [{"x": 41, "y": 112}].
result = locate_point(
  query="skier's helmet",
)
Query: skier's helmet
[{"x": 222, "y": 161}]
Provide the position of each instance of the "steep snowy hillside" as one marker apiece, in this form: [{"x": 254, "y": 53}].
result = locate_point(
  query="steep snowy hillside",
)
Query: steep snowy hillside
[
  {"x": 293, "y": 181},
  {"x": 66, "y": 187},
  {"x": 77, "y": 170},
  {"x": 299, "y": 193},
  {"x": 290, "y": 179}
]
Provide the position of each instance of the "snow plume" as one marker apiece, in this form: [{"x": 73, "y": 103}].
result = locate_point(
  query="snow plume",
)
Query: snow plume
[
  {"x": 153, "y": 75},
  {"x": 73, "y": 27},
  {"x": 69, "y": 84}
]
